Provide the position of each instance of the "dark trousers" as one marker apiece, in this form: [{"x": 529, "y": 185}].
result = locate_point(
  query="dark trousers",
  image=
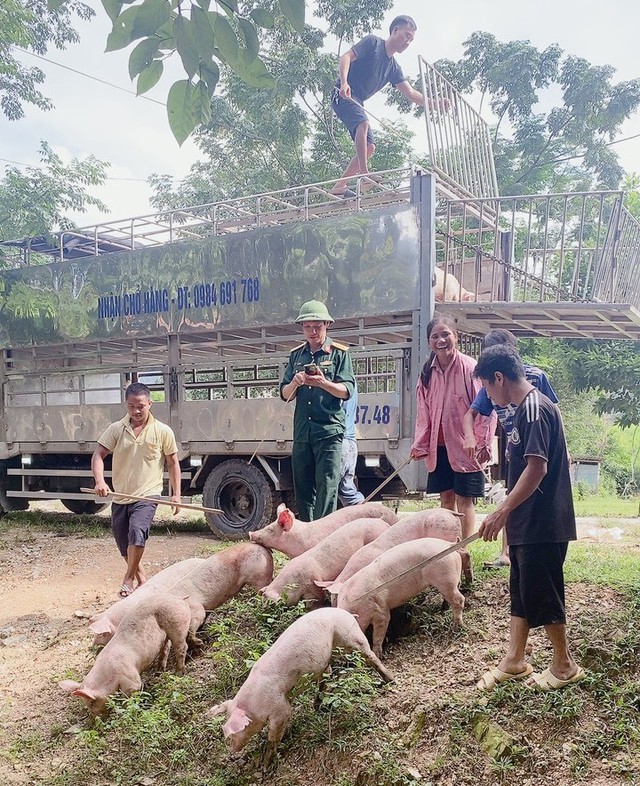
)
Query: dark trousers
[{"x": 316, "y": 476}]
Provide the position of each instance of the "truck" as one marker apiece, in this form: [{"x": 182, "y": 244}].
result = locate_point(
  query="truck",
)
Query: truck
[{"x": 199, "y": 304}]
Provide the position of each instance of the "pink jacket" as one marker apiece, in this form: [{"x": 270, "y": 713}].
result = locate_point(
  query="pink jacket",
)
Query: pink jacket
[{"x": 446, "y": 399}]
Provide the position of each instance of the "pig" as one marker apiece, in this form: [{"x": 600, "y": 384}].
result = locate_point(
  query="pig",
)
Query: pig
[
  {"x": 104, "y": 624},
  {"x": 293, "y": 537},
  {"x": 451, "y": 292},
  {"x": 437, "y": 523},
  {"x": 210, "y": 582},
  {"x": 305, "y": 647},
  {"x": 371, "y": 603},
  {"x": 149, "y": 629},
  {"x": 297, "y": 580}
]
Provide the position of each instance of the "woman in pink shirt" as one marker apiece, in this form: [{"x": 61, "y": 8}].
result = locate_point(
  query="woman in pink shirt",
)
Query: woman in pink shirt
[{"x": 445, "y": 390}]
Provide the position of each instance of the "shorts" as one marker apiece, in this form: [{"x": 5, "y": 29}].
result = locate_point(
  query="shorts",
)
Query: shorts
[
  {"x": 351, "y": 113},
  {"x": 131, "y": 524},
  {"x": 444, "y": 478},
  {"x": 536, "y": 583}
]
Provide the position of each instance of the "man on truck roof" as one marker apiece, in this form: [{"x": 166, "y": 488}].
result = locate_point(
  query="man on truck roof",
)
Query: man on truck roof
[
  {"x": 140, "y": 445},
  {"x": 363, "y": 71},
  {"x": 320, "y": 377}
]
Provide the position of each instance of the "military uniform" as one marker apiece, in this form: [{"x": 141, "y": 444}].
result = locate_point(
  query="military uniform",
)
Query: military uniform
[{"x": 318, "y": 428}]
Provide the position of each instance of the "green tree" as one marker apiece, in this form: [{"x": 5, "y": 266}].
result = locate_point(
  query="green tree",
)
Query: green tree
[
  {"x": 33, "y": 25},
  {"x": 36, "y": 202},
  {"x": 565, "y": 148},
  {"x": 206, "y": 36},
  {"x": 266, "y": 139},
  {"x": 631, "y": 184}
]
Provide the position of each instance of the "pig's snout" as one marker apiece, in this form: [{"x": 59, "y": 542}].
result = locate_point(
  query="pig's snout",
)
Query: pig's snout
[{"x": 269, "y": 594}]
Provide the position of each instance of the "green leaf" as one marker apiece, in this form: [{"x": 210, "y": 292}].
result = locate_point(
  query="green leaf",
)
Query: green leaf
[
  {"x": 149, "y": 77},
  {"x": 224, "y": 37},
  {"x": 113, "y": 8},
  {"x": 209, "y": 74},
  {"x": 254, "y": 74},
  {"x": 186, "y": 44},
  {"x": 262, "y": 18},
  {"x": 230, "y": 6},
  {"x": 183, "y": 109},
  {"x": 294, "y": 11},
  {"x": 152, "y": 14},
  {"x": 204, "y": 99},
  {"x": 251, "y": 43},
  {"x": 138, "y": 22},
  {"x": 203, "y": 4},
  {"x": 53, "y": 5},
  {"x": 142, "y": 56},
  {"x": 202, "y": 32}
]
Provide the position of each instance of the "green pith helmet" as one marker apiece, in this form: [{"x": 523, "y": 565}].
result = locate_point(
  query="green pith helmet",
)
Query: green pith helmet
[{"x": 314, "y": 310}]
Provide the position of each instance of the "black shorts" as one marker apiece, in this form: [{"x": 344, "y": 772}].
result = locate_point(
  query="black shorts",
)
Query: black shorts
[
  {"x": 351, "y": 113},
  {"x": 443, "y": 478},
  {"x": 536, "y": 583},
  {"x": 131, "y": 524}
]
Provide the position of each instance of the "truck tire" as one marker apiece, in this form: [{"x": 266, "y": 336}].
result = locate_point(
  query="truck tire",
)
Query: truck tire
[
  {"x": 244, "y": 495},
  {"x": 81, "y": 506}
]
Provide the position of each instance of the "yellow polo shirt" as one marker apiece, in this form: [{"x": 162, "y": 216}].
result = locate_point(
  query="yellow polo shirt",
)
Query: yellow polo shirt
[{"x": 138, "y": 462}]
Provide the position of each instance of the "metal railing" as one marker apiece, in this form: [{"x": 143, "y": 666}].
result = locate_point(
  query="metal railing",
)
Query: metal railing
[
  {"x": 460, "y": 150},
  {"x": 241, "y": 214},
  {"x": 553, "y": 247}
]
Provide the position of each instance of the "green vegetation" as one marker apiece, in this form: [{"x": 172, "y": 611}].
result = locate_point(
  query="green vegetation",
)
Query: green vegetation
[{"x": 359, "y": 733}]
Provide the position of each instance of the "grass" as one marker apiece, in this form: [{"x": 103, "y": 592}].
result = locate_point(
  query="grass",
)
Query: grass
[{"x": 355, "y": 735}]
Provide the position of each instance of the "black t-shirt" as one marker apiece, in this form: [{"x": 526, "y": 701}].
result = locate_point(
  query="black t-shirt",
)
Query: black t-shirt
[
  {"x": 372, "y": 69},
  {"x": 547, "y": 515}
]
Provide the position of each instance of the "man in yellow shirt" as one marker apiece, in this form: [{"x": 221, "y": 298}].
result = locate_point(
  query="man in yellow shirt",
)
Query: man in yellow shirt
[{"x": 140, "y": 444}]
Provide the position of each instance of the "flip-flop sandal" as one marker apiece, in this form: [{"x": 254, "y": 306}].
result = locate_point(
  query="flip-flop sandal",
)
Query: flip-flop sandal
[
  {"x": 495, "y": 677},
  {"x": 547, "y": 681},
  {"x": 124, "y": 591}
]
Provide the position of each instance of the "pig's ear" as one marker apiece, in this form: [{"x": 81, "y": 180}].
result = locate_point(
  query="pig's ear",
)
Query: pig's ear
[
  {"x": 69, "y": 685},
  {"x": 100, "y": 626},
  {"x": 280, "y": 508},
  {"x": 285, "y": 519},
  {"x": 84, "y": 693},
  {"x": 238, "y": 720}
]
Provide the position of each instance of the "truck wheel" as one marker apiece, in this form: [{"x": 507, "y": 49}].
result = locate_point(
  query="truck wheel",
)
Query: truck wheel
[
  {"x": 243, "y": 494},
  {"x": 83, "y": 506}
]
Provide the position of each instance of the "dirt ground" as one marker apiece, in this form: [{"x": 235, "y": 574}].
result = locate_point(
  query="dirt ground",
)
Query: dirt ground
[{"x": 50, "y": 585}]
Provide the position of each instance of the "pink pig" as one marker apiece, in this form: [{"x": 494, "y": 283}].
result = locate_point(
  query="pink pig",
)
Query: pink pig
[
  {"x": 297, "y": 580},
  {"x": 147, "y": 631},
  {"x": 293, "y": 537},
  {"x": 436, "y": 523},
  {"x": 305, "y": 647},
  {"x": 371, "y": 603},
  {"x": 209, "y": 582}
]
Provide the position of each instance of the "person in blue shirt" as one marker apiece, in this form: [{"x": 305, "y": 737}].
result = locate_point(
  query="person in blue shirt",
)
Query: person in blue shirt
[
  {"x": 482, "y": 405},
  {"x": 348, "y": 494},
  {"x": 364, "y": 70}
]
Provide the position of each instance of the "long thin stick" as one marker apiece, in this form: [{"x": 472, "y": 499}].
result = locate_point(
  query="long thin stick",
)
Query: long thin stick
[
  {"x": 385, "y": 481},
  {"x": 155, "y": 501},
  {"x": 455, "y": 547}
]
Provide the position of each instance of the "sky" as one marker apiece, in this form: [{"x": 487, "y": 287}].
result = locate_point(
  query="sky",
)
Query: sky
[{"x": 132, "y": 133}]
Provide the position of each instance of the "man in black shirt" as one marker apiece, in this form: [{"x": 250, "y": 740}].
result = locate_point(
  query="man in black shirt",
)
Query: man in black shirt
[
  {"x": 538, "y": 514},
  {"x": 364, "y": 70}
]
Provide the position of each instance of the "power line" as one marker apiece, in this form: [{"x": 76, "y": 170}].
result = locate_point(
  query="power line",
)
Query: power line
[
  {"x": 37, "y": 166},
  {"x": 89, "y": 76}
]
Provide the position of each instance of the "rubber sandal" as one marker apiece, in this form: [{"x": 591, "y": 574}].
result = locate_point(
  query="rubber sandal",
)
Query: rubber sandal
[
  {"x": 548, "y": 681},
  {"x": 124, "y": 591},
  {"x": 495, "y": 677}
]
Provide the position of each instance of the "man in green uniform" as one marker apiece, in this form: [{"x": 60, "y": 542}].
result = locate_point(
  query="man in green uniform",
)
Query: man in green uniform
[{"x": 320, "y": 377}]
